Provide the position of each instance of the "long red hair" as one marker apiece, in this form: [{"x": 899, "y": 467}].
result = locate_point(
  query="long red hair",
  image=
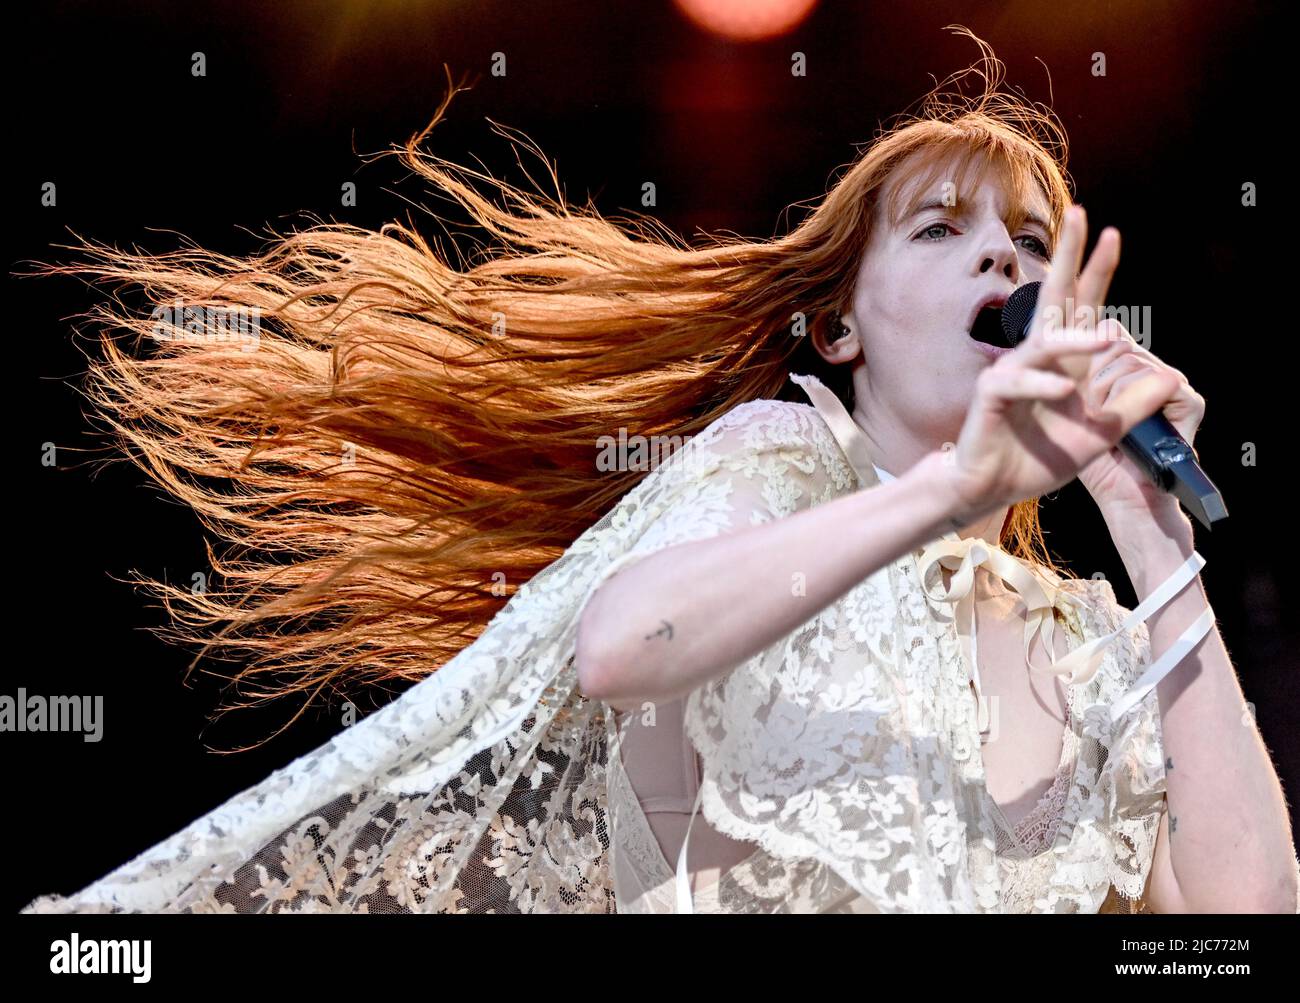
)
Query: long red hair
[{"x": 409, "y": 441}]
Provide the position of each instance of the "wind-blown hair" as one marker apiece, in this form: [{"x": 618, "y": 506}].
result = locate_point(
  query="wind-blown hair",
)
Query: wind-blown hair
[{"x": 407, "y": 442}]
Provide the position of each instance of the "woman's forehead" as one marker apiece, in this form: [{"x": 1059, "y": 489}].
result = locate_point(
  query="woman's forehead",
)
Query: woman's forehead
[{"x": 960, "y": 182}]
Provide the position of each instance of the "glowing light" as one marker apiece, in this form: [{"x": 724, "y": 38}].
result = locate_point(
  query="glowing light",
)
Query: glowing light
[{"x": 746, "y": 20}]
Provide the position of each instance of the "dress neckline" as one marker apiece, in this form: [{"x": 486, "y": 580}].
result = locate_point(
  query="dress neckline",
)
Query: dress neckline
[
  {"x": 1067, "y": 766},
  {"x": 1065, "y": 771}
]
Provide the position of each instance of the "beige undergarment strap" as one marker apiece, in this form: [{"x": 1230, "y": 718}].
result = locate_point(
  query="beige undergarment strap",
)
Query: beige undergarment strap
[{"x": 683, "y": 879}]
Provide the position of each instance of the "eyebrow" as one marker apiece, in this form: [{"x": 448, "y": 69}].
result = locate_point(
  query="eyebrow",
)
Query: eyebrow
[{"x": 952, "y": 210}]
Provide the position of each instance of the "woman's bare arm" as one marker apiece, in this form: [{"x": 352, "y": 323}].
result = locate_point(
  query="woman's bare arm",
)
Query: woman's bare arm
[{"x": 664, "y": 626}]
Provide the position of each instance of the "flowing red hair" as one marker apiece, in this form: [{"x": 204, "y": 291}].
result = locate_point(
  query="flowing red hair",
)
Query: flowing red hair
[{"x": 410, "y": 441}]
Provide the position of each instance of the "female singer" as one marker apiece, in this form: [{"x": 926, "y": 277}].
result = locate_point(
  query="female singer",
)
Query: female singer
[{"x": 818, "y": 657}]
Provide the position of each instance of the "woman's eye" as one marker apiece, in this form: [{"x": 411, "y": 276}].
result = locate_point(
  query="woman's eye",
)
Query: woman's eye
[
  {"x": 931, "y": 227},
  {"x": 1039, "y": 247},
  {"x": 1042, "y": 251}
]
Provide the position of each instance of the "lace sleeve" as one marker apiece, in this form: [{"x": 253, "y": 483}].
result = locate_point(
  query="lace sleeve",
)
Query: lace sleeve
[{"x": 762, "y": 460}]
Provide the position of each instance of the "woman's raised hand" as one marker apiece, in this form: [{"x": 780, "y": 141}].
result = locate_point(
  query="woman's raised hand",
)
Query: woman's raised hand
[{"x": 1029, "y": 429}]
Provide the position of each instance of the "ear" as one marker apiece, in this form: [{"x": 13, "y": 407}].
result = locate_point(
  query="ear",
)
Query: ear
[{"x": 837, "y": 340}]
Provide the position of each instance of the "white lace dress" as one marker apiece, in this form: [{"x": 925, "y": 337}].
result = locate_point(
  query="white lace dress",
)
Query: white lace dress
[
  {"x": 847, "y": 754},
  {"x": 857, "y": 772}
]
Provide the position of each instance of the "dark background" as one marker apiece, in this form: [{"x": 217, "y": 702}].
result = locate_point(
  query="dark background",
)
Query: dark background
[{"x": 103, "y": 104}]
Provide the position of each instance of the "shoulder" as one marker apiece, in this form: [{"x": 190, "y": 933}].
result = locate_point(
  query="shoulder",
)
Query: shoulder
[
  {"x": 773, "y": 425},
  {"x": 788, "y": 435},
  {"x": 763, "y": 420},
  {"x": 1094, "y": 595}
]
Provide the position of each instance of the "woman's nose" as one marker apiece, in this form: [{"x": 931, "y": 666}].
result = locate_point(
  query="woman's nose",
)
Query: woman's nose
[{"x": 1006, "y": 261}]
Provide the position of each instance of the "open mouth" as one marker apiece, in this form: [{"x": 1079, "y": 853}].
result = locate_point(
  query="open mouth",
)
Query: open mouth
[{"x": 988, "y": 327}]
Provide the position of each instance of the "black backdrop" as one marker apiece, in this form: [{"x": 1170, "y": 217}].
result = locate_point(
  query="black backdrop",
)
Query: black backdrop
[{"x": 103, "y": 103}]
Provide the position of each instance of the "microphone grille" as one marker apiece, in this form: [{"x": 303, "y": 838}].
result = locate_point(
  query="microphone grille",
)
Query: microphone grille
[{"x": 1018, "y": 311}]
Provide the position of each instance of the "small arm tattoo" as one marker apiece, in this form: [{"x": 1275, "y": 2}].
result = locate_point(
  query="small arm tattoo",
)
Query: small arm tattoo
[
  {"x": 1173, "y": 819},
  {"x": 666, "y": 627}
]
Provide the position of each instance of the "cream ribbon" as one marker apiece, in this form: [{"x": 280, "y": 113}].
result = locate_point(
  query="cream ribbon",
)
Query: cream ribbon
[{"x": 963, "y": 556}]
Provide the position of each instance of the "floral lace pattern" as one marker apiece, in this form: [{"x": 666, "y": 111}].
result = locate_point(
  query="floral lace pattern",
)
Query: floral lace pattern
[{"x": 844, "y": 751}]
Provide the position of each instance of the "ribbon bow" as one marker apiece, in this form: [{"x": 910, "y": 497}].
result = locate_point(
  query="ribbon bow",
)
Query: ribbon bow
[{"x": 963, "y": 556}]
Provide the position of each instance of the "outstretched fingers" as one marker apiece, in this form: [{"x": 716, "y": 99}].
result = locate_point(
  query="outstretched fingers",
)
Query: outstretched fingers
[
  {"x": 1070, "y": 304},
  {"x": 1051, "y": 350},
  {"x": 1094, "y": 283},
  {"x": 1059, "y": 286},
  {"x": 1002, "y": 385}
]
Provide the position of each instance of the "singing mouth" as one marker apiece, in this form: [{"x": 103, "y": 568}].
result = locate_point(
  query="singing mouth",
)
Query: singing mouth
[{"x": 985, "y": 324}]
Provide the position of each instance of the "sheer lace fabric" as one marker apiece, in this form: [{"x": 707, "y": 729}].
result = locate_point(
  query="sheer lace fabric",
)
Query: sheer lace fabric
[
  {"x": 847, "y": 753},
  {"x": 645, "y": 882}
]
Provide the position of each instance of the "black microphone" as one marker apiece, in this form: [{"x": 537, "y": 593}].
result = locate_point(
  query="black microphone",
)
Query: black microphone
[{"x": 1153, "y": 443}]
